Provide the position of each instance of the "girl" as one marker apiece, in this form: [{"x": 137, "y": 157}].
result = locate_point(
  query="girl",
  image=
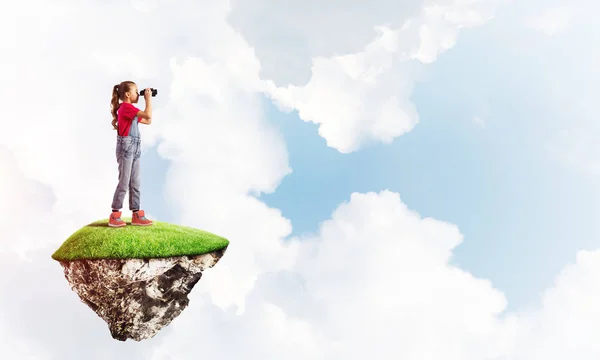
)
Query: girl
[{"x": 128, "y": 150}]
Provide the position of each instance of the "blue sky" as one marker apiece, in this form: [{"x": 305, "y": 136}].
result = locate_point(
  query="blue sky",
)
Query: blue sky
[{"x": 523, "y": 213}]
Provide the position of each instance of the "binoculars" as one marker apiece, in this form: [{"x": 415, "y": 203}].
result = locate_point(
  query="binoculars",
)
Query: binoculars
[{"x": 154, "y": 92}]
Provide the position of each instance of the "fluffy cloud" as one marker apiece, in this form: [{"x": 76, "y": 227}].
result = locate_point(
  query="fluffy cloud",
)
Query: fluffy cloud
[
  {"x": 374, "y": 282},
  {"x": 355, "y": 98},
  {"x": 565, "y": 324},
  {"x": 364, "y": 96},
  {"x": 377, "y": 266}
]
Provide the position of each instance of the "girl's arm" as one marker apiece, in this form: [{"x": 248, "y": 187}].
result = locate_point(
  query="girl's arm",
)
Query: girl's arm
[{"x": 147, "y": 113}]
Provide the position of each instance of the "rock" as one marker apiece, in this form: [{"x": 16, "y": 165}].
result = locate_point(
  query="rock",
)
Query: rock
[{"x": 137, "y": 297}]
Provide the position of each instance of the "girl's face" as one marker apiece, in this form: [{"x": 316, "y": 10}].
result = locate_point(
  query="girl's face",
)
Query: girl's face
[{"x": 133, "y": 94}]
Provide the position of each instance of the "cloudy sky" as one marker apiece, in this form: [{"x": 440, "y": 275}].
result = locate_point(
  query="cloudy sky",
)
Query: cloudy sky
[{"x": 398, "y": 181}]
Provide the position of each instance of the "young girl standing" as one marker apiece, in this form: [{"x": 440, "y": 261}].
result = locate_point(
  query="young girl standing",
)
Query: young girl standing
[{"x": 125, "y": 120}]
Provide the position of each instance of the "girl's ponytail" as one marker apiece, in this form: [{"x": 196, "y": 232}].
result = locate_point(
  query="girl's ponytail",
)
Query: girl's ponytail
[{"x": 114, "y": 105}]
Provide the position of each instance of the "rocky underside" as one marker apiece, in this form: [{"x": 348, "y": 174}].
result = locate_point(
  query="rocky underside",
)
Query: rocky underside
[{"x": 137, "y": 297}]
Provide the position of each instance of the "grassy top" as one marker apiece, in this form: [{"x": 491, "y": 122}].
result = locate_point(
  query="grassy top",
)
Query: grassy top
[{"x": 99, "y": 241}]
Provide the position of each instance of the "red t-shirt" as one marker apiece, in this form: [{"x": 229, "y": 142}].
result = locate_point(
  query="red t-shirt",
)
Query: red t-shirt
[{"x": 125, "y": 116}]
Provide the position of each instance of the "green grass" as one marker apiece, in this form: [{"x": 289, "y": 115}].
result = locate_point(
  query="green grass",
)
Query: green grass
[{"x": 99, "y": 241}]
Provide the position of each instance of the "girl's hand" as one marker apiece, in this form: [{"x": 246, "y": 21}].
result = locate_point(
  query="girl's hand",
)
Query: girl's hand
[{"x": 147, "y": 94}]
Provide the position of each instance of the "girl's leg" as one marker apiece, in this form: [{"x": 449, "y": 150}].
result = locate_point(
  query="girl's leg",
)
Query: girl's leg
[
  {"x": 138, "y": 217},
  {"x": 125, "y": 161},
  {"x": 134, "y": 182}
]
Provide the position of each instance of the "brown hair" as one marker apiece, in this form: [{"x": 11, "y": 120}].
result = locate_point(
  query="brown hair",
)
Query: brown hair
[{"x": 117, "y": 94}]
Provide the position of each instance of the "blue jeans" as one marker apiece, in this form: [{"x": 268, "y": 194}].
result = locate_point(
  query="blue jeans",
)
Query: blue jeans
[{"x": 128, "y": 153}]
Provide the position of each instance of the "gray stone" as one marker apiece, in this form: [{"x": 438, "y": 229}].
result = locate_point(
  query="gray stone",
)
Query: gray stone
[{"x": 137, "y": 297}]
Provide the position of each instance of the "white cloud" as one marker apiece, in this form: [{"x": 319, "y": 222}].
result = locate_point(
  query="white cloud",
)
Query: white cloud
[
  {"x": 565, "y": 324},
  {"x": 364, "y": 97},
  {"x": 440, "y": 22},
  {"x": 378, "y": 256},
  {"x": 354, "y": 97},
  {"x": 552, "y": 21}
]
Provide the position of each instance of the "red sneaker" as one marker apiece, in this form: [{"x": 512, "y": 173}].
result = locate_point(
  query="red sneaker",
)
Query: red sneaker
[
  {"x": 138, "y": 218},
  {"x": 115, "y": 220}
]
